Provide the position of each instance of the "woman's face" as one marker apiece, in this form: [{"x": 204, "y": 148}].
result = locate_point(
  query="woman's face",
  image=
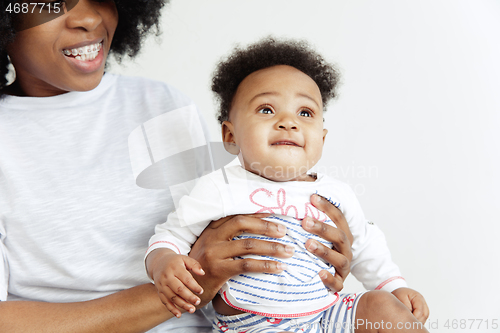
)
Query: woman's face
[{"x": 67, "y": 53}]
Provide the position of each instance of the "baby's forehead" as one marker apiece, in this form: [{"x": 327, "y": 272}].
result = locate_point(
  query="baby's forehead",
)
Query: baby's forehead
[{"x": 281, "y": 80}]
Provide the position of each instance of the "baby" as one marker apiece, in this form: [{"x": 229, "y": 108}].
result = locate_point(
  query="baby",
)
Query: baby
[{"x": 272, "y": 98}]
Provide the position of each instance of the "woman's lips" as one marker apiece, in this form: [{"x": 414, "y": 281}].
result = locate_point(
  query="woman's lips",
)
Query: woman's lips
[
  {"x": 87, "y": 52},
  {"x": 86, "y": 58},
  {"x": 98, "y": 40}
]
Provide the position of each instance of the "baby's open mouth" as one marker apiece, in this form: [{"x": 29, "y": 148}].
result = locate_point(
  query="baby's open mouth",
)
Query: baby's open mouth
[
  {"x": 85, "y": 53},
  {"x": 285, "y": 143}
]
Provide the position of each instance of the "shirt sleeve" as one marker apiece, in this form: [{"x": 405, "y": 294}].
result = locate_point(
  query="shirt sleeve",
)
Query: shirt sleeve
[
  {"x": 371, "y": 263},
  {"x": 4, "y": 267},
  {"x": 194, "y": 212}
]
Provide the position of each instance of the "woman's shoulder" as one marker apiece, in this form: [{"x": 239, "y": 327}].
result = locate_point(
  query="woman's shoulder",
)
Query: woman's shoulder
[
  {"x": 149, "y": 88},
  {"x": 146, "y": 98}
]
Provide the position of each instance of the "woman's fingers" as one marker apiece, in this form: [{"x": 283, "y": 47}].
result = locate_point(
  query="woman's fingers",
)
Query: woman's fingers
[
  {"x": 253, "y": 246},
  {"x": 340, "y": 237},
  {"x": 332, "y": 282},
  {"x": 336, "y": 236},
  {"x": 333, "y": 213},
  {"x": 223, "y": 264},
  {"x": 232, "y": 226},
  {"x": 241, "y": 266},
  {"x": 336, "y": 259},
  {"x": 216, "y": 244},
  {"x": 215, "y": 250}
]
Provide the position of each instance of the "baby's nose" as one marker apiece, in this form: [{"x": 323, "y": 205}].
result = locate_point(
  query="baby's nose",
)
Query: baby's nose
[{"x": 287, "y": 123}]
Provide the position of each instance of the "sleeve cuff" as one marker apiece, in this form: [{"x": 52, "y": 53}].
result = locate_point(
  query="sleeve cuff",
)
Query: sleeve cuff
[
  {"x": 154, "y": 246},
  {"x": 162, "y": 245},
  {"x": 392, "y": 284}
]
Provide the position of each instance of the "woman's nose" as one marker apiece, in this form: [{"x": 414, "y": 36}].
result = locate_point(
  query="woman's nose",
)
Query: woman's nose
[{"x": 84, "y": 15}]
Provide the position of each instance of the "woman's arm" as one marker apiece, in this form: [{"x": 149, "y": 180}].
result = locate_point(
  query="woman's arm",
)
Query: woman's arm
[{"x": 137, "y": 309}]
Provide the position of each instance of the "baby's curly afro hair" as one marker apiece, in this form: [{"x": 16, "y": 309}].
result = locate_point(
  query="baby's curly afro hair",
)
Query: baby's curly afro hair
[
  {"x": 136, "y": 18},
  {"x": 267, "y": 53}
]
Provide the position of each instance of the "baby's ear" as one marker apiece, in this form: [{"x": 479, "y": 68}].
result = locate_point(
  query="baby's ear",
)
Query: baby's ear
[
  {"x": 228, "y": 138},
  {"x": 324, "y": 134}
]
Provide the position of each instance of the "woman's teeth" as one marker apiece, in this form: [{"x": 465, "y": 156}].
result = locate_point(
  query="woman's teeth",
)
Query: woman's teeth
[{"x": 85, "y": 53}]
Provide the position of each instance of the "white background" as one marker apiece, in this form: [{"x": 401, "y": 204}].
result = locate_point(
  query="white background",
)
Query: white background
[{"x": 415, "y": 129}]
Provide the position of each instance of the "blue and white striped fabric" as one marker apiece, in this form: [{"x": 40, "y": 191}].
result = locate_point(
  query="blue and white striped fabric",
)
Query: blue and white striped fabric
[
  {"x": 339, "y": 318},
  {"x": 296, "y": 292}
]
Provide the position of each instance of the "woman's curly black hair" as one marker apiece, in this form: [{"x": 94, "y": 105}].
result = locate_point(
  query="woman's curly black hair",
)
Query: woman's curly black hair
[
  {"x": 267, "y": 53},
  {"x": 136, "y": 18}
]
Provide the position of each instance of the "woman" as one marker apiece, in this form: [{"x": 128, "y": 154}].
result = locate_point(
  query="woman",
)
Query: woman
[{"x": 73, "y": 224}]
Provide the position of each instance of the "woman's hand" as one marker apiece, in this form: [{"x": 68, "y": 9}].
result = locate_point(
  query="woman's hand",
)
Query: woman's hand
[
  {"x": 215, "y": 248},
  {"x": 341, "y": 255},
  {"x": 215, "y": 251}
]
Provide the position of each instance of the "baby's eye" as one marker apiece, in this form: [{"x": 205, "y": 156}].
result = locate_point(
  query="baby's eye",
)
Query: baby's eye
[
  {"x": 266, "y": 110},
  {"x": 305, "y": 113}
]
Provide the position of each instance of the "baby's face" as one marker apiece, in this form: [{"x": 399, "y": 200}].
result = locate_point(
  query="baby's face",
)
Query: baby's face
[{"x": 276, "y": 119}]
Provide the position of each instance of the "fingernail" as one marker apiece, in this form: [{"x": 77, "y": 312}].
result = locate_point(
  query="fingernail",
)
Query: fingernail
[
  {"x": 197, "y": 302},
  {"x": 281, "y": 229},
  {"x": 322, "y": 275},
  {"x": 282, "y": 266},
  {"x": 312, "y": 246},
  {"x": 289, "y": 249},
  {"x": 316, "y": 198},
  {"x": 202, "y": 271},
  {"x": 309, "y": 222}
]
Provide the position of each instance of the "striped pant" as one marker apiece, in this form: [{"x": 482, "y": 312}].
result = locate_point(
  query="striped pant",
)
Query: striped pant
[{"x": 340, "y": 318}]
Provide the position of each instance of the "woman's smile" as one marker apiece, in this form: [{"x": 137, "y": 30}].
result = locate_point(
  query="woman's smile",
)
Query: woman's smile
[
  {"x": 87, "y": 58},
  {"x": 86, "y": 52},
  {"x": 67, "y": 53}
]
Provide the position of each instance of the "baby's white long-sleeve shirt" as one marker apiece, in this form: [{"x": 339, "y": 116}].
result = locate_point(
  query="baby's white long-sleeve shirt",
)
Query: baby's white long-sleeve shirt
[{"x": 298, "y": 291}]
